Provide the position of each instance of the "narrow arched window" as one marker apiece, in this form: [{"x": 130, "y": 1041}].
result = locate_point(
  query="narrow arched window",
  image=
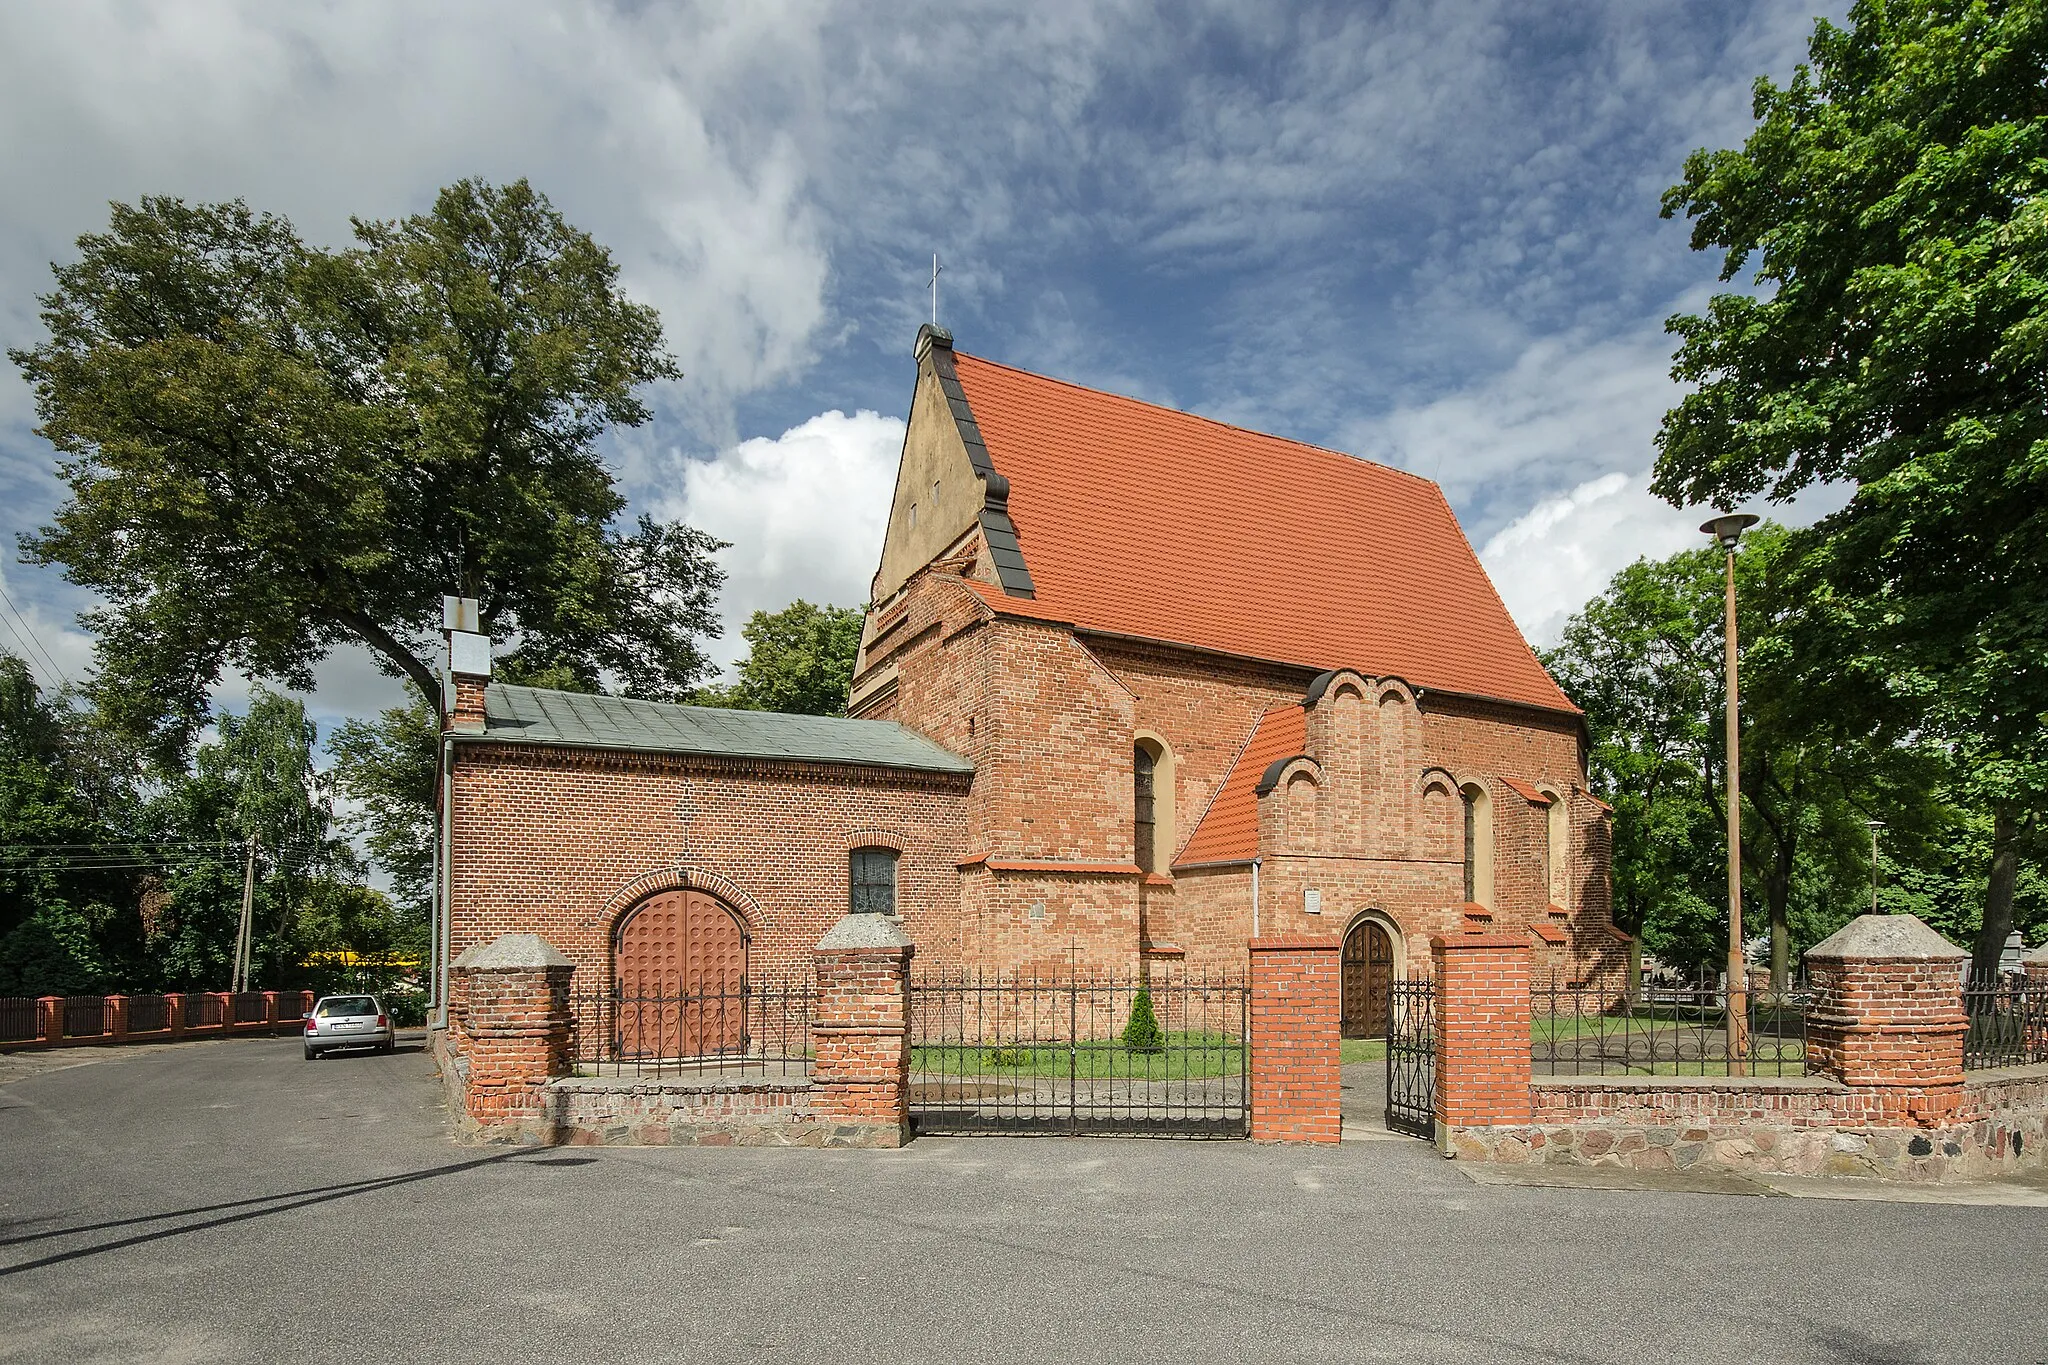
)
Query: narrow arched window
[
  {"x": 872, "y": 879},
  {"x": 1557, "y": 850},
  {"x": 1478, "y": 845},
  {"x": 1145, "y": 831}
]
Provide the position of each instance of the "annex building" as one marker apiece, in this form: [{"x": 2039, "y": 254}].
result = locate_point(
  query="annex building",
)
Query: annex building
[{"x": 1135, "y": 687}]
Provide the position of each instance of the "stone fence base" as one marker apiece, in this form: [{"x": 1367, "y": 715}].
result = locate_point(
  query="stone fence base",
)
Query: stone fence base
[
  {"x": 1785, "y": 1127},
  {"x": 705, "y": 1111}
]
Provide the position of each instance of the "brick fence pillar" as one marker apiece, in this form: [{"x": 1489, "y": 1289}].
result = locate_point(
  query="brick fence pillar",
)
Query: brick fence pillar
[
  {"x": 1482, "y": 1033},
  {"x": 50, "y": 1008},
  {"x": 518, "y": 1038},
  {"x": 1297, "y": 1094},
  {"x": 174, "y": 1015},
  {"x": 270, "y": 1010},
  {"x": 1887, "y": 1017},
  {"x": 860, "y": 1030}
]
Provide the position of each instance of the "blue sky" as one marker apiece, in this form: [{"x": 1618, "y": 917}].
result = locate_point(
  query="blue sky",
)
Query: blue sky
[{"x": 1424, "y": 233}]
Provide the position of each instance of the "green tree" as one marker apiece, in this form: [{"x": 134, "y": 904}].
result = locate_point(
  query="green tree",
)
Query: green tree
[
  {"x": 274, "y": 449},
  {"x": 1895, "y": 198},
  {"x": 386, "y": 768},
  {"x": 799, "y": 660}
]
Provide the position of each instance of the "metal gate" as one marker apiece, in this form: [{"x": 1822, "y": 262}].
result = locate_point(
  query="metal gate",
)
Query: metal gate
[
  {"x": 1411, "y": 1058},
  {"x": 1087, "y": 1055}
]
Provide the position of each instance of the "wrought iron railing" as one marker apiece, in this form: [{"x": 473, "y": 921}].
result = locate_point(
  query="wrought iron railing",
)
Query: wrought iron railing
[
  {"x": 19, "y": 1022},
  {"x": 1666, "y": 1029},
  {"x": 251, "y": 1007},
  {"x": 1164, "y": 1055},
  {"x": 85, "y": 1016},
  {"x": 2008, "y": 1016},
  {"x": 148, "y": 1013},
  {"x": 756, "y": 1028}
]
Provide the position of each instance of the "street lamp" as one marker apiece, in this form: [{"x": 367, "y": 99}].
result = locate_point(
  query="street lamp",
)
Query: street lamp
[
  {"x": 1727, "y": 529},
  {"x": 1875, "y": 826}
]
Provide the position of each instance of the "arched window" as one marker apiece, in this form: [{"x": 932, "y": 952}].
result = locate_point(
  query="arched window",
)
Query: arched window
[
  {"x": 1478, "y": 845},
  {"x": 1144, "y": 802},
  {"x": 1557, "y": 851},
  {"x": 872, "y": 881}
]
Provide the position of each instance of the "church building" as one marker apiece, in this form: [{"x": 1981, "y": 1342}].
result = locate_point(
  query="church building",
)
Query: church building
[{"x": 1135, "y": 687}]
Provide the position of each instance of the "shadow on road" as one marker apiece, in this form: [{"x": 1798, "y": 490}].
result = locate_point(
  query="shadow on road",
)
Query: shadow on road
[{"x": 274, "y": 1203}]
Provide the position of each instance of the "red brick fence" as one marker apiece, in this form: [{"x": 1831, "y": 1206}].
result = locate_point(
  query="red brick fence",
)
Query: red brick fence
[
  {"x": 94, "y": 1020},
  {"x": 1888, "y": 1094},
  {"x": 508, "y": 1055}
]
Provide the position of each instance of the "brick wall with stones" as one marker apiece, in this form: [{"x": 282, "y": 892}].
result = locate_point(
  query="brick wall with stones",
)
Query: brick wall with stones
[{"x": 1885, "y": 1025}]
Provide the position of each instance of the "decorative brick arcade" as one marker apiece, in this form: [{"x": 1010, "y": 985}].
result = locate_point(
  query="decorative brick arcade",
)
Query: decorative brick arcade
[{"x": 1296, "y": 1093}]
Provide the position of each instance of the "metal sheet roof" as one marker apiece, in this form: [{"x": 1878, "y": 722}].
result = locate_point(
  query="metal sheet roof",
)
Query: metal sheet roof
[{"x": 533, "y": 715}]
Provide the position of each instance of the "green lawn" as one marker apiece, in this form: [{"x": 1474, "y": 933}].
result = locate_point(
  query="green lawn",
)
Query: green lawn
[
  {"x": 1352, "y": 1050},
  {"x": 1191, "y": 1056}
]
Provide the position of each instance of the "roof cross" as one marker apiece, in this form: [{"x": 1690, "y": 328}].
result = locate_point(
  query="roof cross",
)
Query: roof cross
[{"x": 935, "y": 288}]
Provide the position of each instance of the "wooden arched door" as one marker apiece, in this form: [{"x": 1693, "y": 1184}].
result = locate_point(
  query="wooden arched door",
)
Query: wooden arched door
[
  {"x": 1368, "y": 981},
  {"x": 680, "y": 963}
]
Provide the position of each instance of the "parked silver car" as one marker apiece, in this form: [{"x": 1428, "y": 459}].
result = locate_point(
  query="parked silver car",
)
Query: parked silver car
[{"x": 348, "y": 1021}]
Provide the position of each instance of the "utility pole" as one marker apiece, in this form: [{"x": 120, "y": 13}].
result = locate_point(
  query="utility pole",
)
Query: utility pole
[
  {"x": 1728, "y": 529},
  {"x": 1875, "y": 826},
  {"x": 242, "y": 934}
]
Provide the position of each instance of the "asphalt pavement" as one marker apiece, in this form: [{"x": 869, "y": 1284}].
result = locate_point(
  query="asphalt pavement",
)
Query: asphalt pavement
[{"x": 228, "y": 1201}]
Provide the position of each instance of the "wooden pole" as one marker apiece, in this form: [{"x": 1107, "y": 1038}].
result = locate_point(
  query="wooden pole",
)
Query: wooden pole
[
  {"x": 1738, "y": 965},
  {"x": 242, "y": 936}
]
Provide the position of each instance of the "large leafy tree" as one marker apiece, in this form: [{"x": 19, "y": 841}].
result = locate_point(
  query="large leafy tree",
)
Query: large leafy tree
[
  {"x": 385, "y": 767},
  {"x": 274, "y": 449},
  {"x": 1894, "y": 199},
  {"x": 799, "y": 659}
]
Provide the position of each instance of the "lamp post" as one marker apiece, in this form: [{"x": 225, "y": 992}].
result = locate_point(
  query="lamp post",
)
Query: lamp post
[
  {"x": 1875, "y": 826},
  {"x": 1727, "y": 529}
]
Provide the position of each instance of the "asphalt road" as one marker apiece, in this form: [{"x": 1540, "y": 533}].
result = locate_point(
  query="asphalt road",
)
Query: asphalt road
[{"x": 227, "y": 1201}]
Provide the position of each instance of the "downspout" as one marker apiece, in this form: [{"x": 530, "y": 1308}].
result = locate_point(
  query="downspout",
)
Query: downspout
[
  {"x": 1255, "y": 895},
  {"x": 444, "y": 900}
]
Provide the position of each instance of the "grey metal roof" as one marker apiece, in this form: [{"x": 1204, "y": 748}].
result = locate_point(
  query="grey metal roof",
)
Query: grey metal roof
[{"x": 533, "y": 715}]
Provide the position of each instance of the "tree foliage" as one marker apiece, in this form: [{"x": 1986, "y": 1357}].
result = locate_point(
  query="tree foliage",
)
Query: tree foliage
[
  {"x": 386, "y": 768},
  {"x": 1894, "y": 200},
  {"x": 274, "y": 449},
  {"x": 799, "y": 660}
]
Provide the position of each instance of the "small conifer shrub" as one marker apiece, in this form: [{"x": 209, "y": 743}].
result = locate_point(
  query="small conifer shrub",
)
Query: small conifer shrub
[{"x": 1143, "y": 1033}]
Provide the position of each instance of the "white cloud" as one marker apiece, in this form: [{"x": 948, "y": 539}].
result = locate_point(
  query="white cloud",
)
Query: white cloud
[
  {"x": 56, "y": 651},
  {"x": 805, "y": 512},
  {"x": 1557, "y": 556}
]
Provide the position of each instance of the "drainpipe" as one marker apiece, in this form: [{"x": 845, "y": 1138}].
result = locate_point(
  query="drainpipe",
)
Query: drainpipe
[
  {"x": 1255, "y": 895},
  {"x": 444, "y": 899}
]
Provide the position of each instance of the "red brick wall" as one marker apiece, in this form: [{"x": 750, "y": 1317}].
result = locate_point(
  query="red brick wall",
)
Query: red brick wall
[
  {"x": 516, "y": 1037},
  {"x": 1295, "y": 1088},
  {"x": 1482, "y": 1030},
  {"x": 1893, "y": 1028},
  {"x": 561, "y": 842},
  {"x": 860, "y": 1028}
]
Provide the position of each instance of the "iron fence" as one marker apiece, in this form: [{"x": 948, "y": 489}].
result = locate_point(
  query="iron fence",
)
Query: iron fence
[
  {"x": 204, "y": 1011},
  {"x": 1669, "y": 1029},
  {"x": 18, "y": 1020},
  {"x": 2008, "y": 1016},
  {"x": 148, "y": 1013},
  {"x": 85, "y": 1016},
  {"x": 1411, "y": 1057},
  {"x": 757, "y": 1028},
  {"x": 1007, "y": 1053},
  {"x": 251, "y": 1007}
]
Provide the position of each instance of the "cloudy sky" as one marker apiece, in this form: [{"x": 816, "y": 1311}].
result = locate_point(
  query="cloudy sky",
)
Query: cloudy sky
[{"x": 1425, "y": 233}]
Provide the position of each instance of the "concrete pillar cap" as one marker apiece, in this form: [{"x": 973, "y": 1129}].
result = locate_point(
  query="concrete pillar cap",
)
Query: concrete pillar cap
[
  {"x": 1888, "y": 938},
  {"x": 2039, "y": 954},
  {"x": 865, "y": 930},
  {"x": 512, "y": 952}
]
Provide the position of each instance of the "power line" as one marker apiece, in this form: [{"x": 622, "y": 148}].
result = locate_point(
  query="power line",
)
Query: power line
[{"x": 33, "y": 637}]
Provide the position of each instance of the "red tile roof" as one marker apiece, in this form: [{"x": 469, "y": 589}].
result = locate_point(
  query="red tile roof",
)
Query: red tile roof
[
  {"x": 1229, "y": 829},
  {"x": 1528, "y": 792},
  {"x": 1139, "y": 520}
]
